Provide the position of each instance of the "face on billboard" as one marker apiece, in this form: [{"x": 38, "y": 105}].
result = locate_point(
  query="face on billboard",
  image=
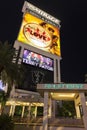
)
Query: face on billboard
[
  {"x": 38, "y": 33},
  {"x": 38, "y": 60}
]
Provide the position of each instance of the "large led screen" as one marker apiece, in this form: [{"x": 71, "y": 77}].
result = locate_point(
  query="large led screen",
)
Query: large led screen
[
  {"x": 40, "y": 34},
  {"x": 38, "y": 60}
]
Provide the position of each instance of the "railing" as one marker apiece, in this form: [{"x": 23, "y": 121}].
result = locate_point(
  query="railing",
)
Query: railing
[
  {"x": 51, "y": 121},
  {"x": 66, "y": 122}
]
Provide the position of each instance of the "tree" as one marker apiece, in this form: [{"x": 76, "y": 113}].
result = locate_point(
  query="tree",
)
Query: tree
[
  {"x": 10, "y": 72},
  {"x": 85, "y": 78},
  {"x": 3, "y": 100},
  {"x": 67, "y": 109},
  {"x": 6, "y": 122}
]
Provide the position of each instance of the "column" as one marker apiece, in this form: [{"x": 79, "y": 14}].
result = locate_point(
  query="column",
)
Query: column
[
  {"x": 78, "y": 115},
  {"x": 10, "y": 113},
  {"x": 29, "y": 111},
  {"x": 55, "y": 81},
  {"x": 45, "y": 112},
  {"x": 84, "y": 109},
  {"x": 53, "y": 108},
  {"x": 55, "y": 71},
  {"x": 50, "y": 107},
  {"x": 77, "y": 102},
  {"x": 59, "y": 76},
  {"x": 13, "y": 110},
  {"x": 35, "y": 111},
  {"x": 22, "y": 111}
]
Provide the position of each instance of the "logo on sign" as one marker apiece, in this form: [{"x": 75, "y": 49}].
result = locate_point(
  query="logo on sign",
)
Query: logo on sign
[{"x": 37, "y": 35}]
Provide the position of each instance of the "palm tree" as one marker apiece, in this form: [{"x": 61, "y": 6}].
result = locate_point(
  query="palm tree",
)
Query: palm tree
[
  {"x": 3, "y": 100},
  {"x": 6, "y": 122},
  {"x": 10, "y": 72},
  {"x": 85, "y": 78}
]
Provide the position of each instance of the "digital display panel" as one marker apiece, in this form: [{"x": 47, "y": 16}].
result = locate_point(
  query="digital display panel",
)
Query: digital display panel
[
  {"x": 37, "y": 32},
  {"x": 38, "y": 60}
]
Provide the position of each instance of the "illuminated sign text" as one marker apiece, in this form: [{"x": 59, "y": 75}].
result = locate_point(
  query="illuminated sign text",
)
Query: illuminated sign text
[{"x": 63, "y": 86}]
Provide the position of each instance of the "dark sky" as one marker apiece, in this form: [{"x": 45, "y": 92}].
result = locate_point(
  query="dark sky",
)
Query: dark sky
[{"x": 73, "y": 16}]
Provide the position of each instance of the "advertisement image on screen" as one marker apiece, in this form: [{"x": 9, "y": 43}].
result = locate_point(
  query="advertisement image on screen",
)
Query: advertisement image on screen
[
  {"x": 38, "y": 60},
  {"x": 40, "y": 34}
]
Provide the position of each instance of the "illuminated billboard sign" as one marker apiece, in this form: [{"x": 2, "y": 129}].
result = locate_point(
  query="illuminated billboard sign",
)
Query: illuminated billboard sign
[
  {"x": 40, "y": 14},
  {"x": 38, "y": 33},
  {"x": 63, "y": 86},
  {"x": 37, "y": 60}
]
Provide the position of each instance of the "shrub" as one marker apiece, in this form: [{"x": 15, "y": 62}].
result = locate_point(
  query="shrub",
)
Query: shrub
[{"x": 6, "y": 122}]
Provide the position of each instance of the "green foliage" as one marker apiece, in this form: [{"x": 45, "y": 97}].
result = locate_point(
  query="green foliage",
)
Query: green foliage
[
  {"x": 26, "y": 111},
  {"x": 6, "y": 122},
  {"x": 10, "y": 71},
  {"x": 6, "y": 55},
  {"x": 67, "y": 109},
  {"x": 40, "y": 111},
  {"x": 3, "y": 99},
  {"x": 85, "y": 78},
  {"x": 18, "y": 110}
]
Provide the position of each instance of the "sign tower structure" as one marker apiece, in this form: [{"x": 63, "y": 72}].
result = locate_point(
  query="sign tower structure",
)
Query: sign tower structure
[
  {"x": 39, "y": 40},
  {"x": 39, "y": 44}
]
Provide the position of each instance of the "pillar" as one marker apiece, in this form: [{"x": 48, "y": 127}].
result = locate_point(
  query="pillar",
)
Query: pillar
[
  {"x": 10, "y": 113},
  {"x": 45, "y": 112},
  {"x": 35, "y": 111},
  {"x": 57, "y": 79},
  {"x": 13, "y": 110},
  {"x": 55, "y": 71},
  {"x": 23, "y": 108},
  {"x": 84, "y": 109},
  {"x": 77, "y": 102},
  {"x": 59, "y": 74},
  {"x": 29, "y": 111},
  {"x": 50, "y": 107},
  {"x": 53, "y": 108},
  {"x": 78, "y": 115}
]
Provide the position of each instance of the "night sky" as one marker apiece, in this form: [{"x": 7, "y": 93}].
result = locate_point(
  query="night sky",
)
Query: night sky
[{"x": 73, "y": 32}]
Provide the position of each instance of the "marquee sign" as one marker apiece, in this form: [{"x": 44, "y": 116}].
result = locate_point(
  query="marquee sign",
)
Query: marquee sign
[
  {"x": 39, "y": 29},
  {"x": 57, "y": 87},
  {"x": 39, "y": 34},
  {"x": 63, "y": 86},
  {"x": 28, "y": 7}
]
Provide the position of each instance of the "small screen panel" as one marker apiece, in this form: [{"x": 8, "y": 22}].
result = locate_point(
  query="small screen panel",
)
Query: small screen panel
[{"x": 38, "y": 60}]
